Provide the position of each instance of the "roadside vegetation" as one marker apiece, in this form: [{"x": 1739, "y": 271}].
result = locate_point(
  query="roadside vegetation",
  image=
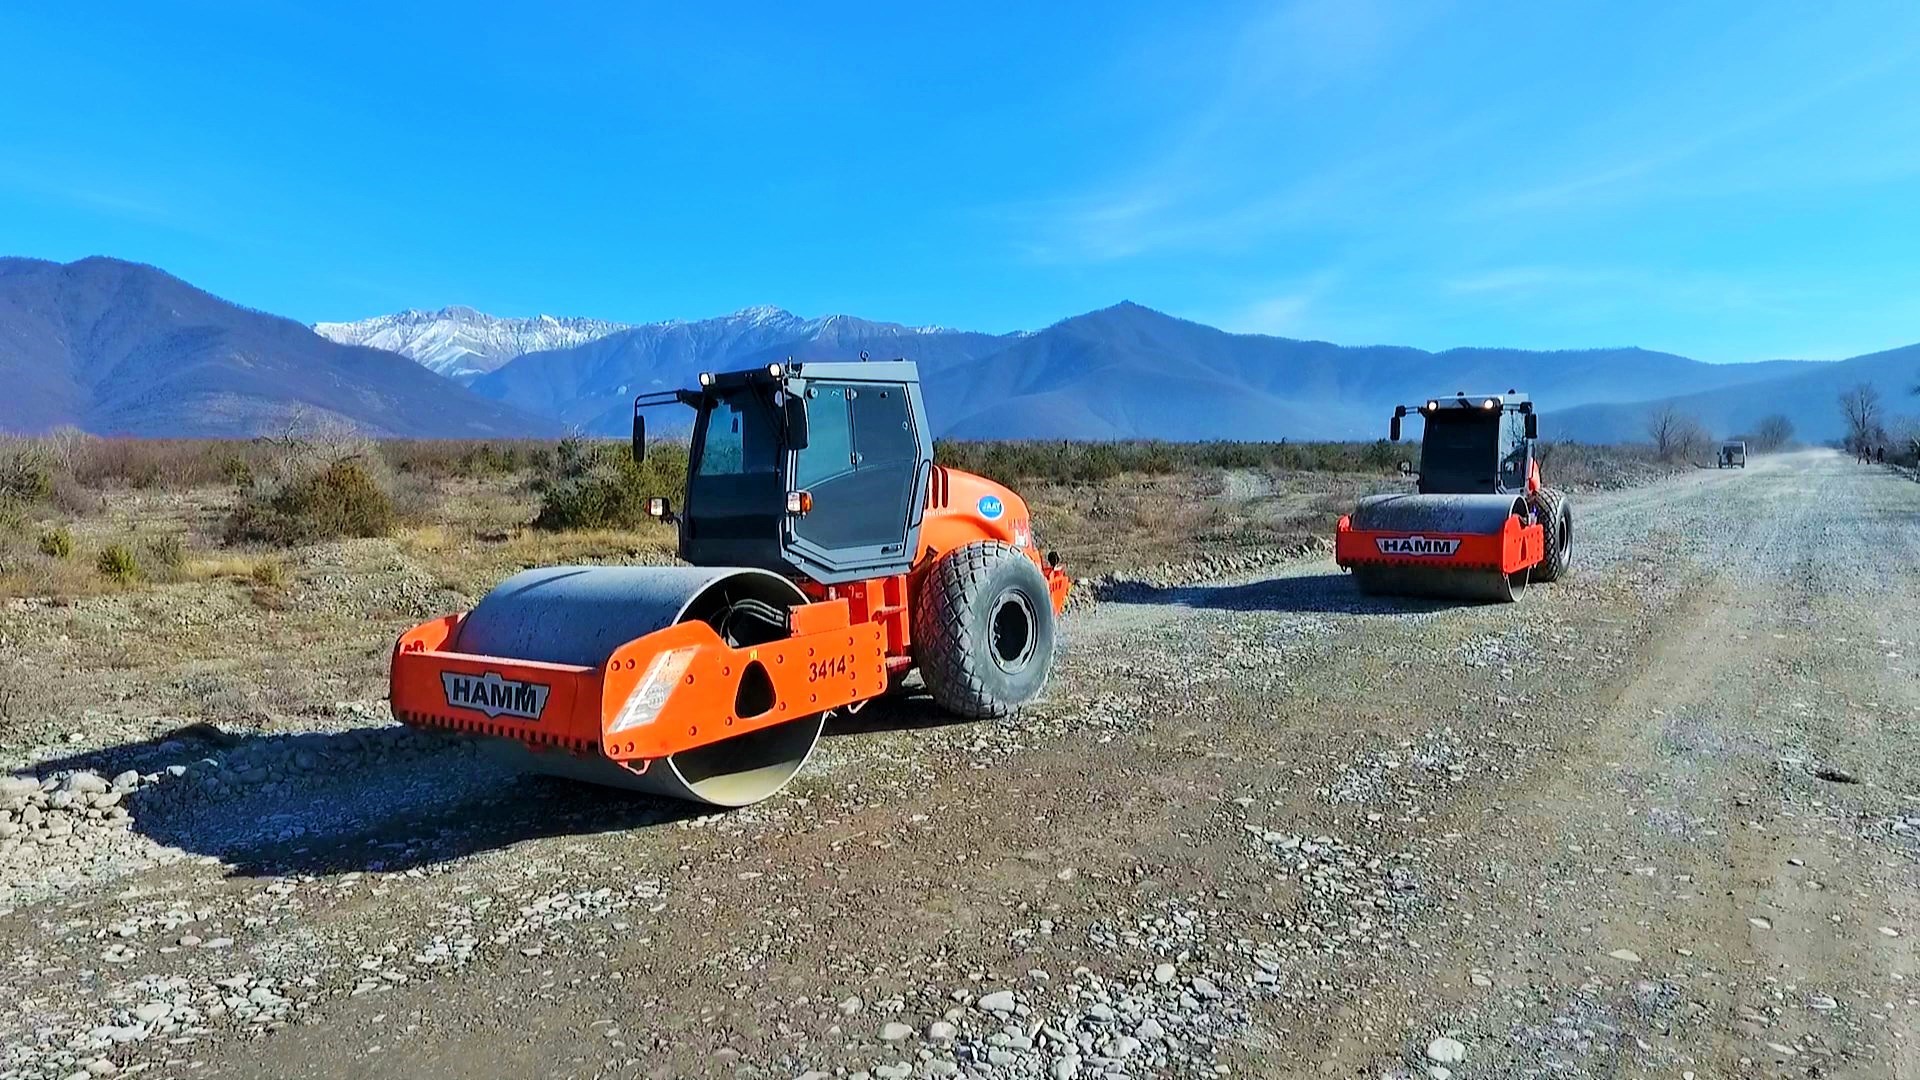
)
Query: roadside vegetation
[
  {"x": 1676, "y": 436},
  {"x": 82, "y": 515},
  {"x": 1063, "y": 461},
  {"x": 244, "y": 582}
]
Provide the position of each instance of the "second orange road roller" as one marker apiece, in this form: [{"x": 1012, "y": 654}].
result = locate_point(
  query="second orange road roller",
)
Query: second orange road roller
[
  {"x": 1480, "y": 525},
  {"x": 828, "y": 557}
]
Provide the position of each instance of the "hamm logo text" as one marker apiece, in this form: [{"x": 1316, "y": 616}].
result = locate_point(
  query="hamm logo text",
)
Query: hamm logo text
[
  {"x": 494, "y": 695},
  {"x": 1416, "y": 545}
]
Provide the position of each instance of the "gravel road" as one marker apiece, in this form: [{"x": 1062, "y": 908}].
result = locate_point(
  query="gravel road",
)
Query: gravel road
[{"x": 1659, "y": 819}]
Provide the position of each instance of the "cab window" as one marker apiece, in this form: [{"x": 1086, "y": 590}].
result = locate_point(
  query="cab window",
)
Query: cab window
[
  {"x": 1513, "y": 451},
  {"x": 860, "y": 465},
  {"x": 883, "y": 427},
  {"x": 738, "y": 438},
  {"x": 829, "y": 451}
]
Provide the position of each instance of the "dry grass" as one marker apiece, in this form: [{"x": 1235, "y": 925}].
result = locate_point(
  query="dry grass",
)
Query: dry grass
[
  {"x": 1139, "y": 520},
  {"x": 252, "y": 637},
  {"x": 464, "y": 510},
  {"x": 468, "y": 560}
]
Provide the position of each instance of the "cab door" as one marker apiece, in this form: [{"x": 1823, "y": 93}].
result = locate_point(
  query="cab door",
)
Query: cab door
[{"x": 860, "y": 469}]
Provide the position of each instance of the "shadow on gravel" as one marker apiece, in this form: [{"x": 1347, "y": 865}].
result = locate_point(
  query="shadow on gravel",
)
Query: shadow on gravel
[
  {"x": 903, "y": 711},
  {"x": 1305, "y": 593},
  {"x": 369, "y": 799}
]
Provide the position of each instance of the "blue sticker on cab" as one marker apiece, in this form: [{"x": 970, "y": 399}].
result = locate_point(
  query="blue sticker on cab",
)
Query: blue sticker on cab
[{"x": 991, "y": 507}]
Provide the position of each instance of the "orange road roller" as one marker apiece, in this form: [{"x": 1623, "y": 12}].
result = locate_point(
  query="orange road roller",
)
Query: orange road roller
[
  {"x": 1480, "y": 526},
  {"x": 828, "y": 558}
]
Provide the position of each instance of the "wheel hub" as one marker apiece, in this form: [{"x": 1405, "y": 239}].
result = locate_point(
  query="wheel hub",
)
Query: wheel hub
[{"x": 1012, "y": 633}]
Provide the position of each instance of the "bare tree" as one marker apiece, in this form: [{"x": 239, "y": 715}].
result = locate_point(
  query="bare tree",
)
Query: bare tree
[
  {"x": 1903, "y": 438},
  {"x": 1674, "y": 433},
  {"x": 1860, "y": 405},
  {"x": 1773, "y": 432}
]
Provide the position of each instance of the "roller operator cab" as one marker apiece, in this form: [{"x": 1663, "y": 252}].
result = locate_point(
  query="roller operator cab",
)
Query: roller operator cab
[
  {"x": 830, "y": 557},
  {"x": 1474, "y": 446},
  {"x": 824, "y": 472},
  {"x": 1479, "y": 524},
  {"x": 816, "y": 472}
]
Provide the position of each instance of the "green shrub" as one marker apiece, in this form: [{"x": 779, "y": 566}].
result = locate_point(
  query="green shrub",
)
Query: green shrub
[
  {"x": 269, "y": 574},
  {"x": 26, "y": 476},
  {"x": 167, "y": 553},
  {"x": 340, "y": 499},
  {"x": 237, "y": 471},
  {"x": 596, "y": 485},
  {"x": 118, "y": 563},
  {"x": 469, "y": 458},
  {"x": 56, "y": 543}
]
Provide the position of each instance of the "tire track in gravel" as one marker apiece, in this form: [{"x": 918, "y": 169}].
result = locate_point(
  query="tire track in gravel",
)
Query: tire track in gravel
[{"x": 1690, "y": 896}]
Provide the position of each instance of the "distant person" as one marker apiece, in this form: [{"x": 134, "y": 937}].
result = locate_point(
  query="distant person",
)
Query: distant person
[{"x": 1880, "y": 454}]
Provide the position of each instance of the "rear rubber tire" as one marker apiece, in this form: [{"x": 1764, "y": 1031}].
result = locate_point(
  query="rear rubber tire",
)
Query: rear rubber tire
[
  {"x": 983, "y": 630},
  {"x": 1556, "y": 522}
]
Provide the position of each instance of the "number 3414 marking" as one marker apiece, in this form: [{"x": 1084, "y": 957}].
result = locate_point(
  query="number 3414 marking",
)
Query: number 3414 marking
[{"x": 832, "y": 667}]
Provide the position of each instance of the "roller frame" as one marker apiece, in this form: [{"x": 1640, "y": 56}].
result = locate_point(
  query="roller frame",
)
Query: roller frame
[
  {"x": 1487, "y": 559},
  {"x": 688, "y": 677}
]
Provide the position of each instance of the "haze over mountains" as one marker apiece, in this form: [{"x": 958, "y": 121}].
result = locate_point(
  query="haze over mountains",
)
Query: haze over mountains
[{"x": 117, "y": 347}]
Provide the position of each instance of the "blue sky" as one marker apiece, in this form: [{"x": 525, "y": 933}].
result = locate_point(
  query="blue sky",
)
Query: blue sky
[{"x": 1725, "y": 180}]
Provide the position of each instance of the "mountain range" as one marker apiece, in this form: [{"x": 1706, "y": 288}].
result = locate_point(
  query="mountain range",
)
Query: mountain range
[
  {"x": 116, "y": 347},
  {"x": 462, "y": 343},
  {"x": 113, "y": 346}
]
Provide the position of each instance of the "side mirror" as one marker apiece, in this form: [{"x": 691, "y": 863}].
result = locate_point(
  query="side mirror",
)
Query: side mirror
[
  {"x": 1533, "y": 425},
  {"x": 660, "y": 507},
  {"x": 1393, "y": 428},
  {"x": 794, "y": 411},
  {"x": 1406, "y": 468},
  {"x": 639, "y": 438}
]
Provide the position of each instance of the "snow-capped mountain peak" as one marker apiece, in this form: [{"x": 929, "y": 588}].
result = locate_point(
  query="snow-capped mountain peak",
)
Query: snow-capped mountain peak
[
  {"x": 462, "y": 343},
  {"x": 766, "y": 315}
]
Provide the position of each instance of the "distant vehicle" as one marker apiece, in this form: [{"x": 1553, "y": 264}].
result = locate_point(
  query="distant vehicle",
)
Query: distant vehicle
[{"x": 1733, "y": 454}]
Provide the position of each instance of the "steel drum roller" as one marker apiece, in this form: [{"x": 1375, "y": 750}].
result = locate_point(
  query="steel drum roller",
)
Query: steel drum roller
[
  {"x": 1437, "y": 515},
  {"x": 581, "y": 614}
]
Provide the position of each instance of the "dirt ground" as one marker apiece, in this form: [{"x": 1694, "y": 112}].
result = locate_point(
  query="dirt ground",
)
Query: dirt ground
[{"x": 1661, "y": 818}]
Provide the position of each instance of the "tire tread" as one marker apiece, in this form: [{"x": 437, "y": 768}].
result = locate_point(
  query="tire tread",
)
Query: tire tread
[{"x": 949, "y": 658}]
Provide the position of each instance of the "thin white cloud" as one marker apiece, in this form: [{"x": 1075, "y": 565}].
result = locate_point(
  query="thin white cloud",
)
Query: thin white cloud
[
  {"x": 1685, "y": 164},
  {"x": 43, "y": 182},
  {"x": 1198, "y": 190},
  {"x": 1628, "y": 292},
  {"x": 1287, "y": 312},
  {"x": 1278, "y": 315}
]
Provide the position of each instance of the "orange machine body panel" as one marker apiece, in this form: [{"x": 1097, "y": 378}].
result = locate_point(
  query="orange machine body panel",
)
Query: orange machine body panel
[
  {"x": 963, "y": 508},
  {"x": 659, "y": 694},
  {"x": 1514, "y": 548}
]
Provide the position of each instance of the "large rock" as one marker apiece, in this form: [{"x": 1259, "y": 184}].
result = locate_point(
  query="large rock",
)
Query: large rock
[
  {"x": 1000, "y": 1001},
  {"x": 17, "y": 788},
  {"x": 86, "y": 783}
]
